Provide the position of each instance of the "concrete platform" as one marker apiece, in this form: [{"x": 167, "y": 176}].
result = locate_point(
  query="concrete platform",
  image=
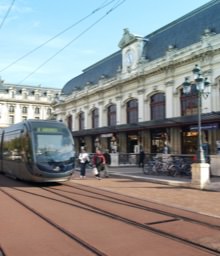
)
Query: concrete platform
[{"x": 183, "y": 181}]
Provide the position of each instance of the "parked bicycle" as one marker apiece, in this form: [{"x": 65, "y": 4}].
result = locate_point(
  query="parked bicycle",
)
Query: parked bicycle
[
  {"x": 182, "y": 166},
  {"x": 160, "y": 165},
  {"x": 149, "y": 167},
  {"x": 164, "y": 165}
]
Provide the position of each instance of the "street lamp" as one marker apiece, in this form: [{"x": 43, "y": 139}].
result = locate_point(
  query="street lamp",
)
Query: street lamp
[{"x": 203, "y": 89}]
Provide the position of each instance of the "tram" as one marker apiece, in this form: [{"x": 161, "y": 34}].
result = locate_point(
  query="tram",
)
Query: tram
[{"x": 37, "y": 151}]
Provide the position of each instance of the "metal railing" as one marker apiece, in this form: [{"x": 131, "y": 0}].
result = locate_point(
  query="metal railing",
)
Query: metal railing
[
  {"x": 168, "y": 164},
  {"x": 133, "y": 159}
]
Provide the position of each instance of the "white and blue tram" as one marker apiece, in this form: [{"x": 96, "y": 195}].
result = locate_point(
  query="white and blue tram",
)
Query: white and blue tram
[{"x": 38, "y": 151}]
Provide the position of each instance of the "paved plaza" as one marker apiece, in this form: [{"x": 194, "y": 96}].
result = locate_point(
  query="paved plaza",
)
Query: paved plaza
[{"x": 176, "y": 192}]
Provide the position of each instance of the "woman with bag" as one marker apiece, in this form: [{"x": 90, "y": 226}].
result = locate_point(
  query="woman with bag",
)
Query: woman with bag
[
  {"x": 84, "y": 159},
  {"x": 98, "y": 163}
]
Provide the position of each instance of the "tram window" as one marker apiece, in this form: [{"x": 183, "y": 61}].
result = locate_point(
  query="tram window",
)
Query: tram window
[
  {"x": 50, "y": 142},
  {"x": 12, "y": 146}
]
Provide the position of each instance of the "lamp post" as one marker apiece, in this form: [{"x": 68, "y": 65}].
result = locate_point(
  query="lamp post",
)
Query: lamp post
[{"x": 202, "y": 87}]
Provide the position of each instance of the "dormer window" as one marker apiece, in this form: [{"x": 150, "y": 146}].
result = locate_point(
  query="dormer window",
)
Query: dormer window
[
  {"x": 25, "y": 95},
  {"x": 13, "y": 94}
]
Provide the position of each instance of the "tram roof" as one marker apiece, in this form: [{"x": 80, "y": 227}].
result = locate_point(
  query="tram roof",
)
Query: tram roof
[{"x": 180, "y": 33}]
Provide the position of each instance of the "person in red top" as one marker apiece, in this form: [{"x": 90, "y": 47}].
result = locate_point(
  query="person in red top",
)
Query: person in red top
[{"x": 99, "y": 162}]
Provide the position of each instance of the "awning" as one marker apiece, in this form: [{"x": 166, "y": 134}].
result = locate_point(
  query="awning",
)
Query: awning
[{"x": 167, "y": 122}]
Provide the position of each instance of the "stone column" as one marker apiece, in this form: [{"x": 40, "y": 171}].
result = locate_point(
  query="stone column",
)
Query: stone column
[
  {"x": 118, "y": 110},
  {"x": 101, "y": 103},
  {"x": 200, "y": 175},
  {"x": 141, "y": 105}
]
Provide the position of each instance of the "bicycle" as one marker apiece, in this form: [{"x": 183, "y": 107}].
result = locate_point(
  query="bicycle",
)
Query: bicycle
[
  {"x": 183, "y": 167},
  {"x": 165, "y": 165},
  {"x": 149, "y": 167}
]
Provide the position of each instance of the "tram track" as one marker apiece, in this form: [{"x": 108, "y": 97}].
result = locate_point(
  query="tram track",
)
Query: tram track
[
  {"x": 61, "y": 192},
  {"x": 150, "y": 227},
  {"x": 77, "y": 239},
  {"x": 147, "y": 208}
]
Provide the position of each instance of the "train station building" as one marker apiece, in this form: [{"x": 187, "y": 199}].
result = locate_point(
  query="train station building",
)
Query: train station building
[{"x": 134, "y": 98}]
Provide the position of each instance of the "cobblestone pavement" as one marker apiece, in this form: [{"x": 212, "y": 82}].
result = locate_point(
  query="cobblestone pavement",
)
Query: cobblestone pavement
[{"x": 168, "y": 191}]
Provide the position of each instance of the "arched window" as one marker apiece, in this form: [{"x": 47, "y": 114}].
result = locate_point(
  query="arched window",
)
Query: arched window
[
  {"x": 112, "y": 115},
  {"x": 157, "y": 106},
  {"x": 69, "y": 122},
  {"x": 132, "y": 111},
  {"x": 189, "y": 102},
  {"x": 95, "y": 118},
  {"x": 82, "y": 121}
]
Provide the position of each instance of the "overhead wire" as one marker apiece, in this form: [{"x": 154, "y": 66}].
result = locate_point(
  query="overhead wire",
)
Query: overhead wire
[
  {"x": 103, "y": 5},
  {"x": 7, "y": 13},
  {"x": 119, "y": 2}
]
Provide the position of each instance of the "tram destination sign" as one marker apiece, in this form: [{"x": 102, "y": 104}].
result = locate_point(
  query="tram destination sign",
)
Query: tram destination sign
[{"x": 48, "y": 129}]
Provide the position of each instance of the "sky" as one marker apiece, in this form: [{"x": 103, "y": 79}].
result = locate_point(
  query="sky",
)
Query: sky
[{"x": 47, "y": 42}]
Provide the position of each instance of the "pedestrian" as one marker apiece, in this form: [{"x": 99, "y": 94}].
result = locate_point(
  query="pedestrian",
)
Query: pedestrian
[
  {"x": 84, "y": 160},
  {"x": 166, "y": 149},
  {"x": 141, "y": 158},
  {"x": 99, "y": 162},
  {"x": 107, "y": 163}
]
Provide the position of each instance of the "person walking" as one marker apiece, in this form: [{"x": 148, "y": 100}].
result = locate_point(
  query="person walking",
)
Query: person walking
[
  {"x": 141, "y": 158},
  {"x": 99, "y": 162},
  {"x": 107, "y": 163},
  {"x": 84, "y": 159}
]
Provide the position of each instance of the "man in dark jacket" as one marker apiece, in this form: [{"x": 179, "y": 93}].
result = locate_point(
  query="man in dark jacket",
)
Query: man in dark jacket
[
  {"x": 141, "y": 158},
  {"x": 107, "y": 163}
]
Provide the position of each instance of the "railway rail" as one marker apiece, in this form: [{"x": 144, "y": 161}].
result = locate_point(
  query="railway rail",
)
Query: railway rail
[
  {"x": 104, "y": 223},
  {"x": 149, "y": 225}
]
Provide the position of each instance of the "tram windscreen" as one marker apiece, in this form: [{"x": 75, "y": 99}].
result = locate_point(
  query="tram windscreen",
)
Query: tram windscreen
[
  {"x": 49, "y": 142},
  {"x": 53, "y": 145}
]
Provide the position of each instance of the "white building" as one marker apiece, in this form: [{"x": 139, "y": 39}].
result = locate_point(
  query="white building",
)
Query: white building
[
  {"x": 20, "y": 102},
  {"x": 134, "y": 98}
]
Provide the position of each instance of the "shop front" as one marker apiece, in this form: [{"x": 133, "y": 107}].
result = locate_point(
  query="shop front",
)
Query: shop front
[
  {"x": 178, "y": 136},
  {"x": 160, "y": 141}
]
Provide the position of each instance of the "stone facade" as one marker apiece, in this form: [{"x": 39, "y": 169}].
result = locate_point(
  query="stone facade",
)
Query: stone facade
[
  {"x": 144, "y": 67},
  {"x": 20, "y": 102}
]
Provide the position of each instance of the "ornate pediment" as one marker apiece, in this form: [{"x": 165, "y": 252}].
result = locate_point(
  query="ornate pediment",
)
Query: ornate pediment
[{"x": 127, "y": 39}]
